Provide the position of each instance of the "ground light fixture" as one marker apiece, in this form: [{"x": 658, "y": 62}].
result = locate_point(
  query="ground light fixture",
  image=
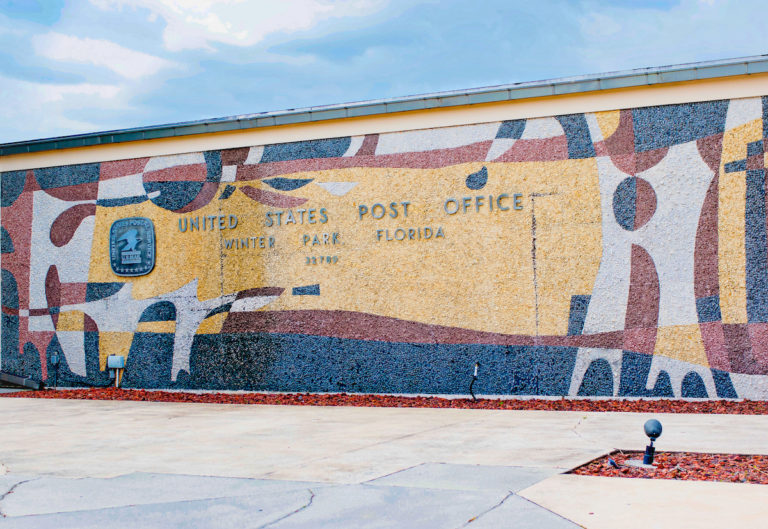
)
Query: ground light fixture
[
  {"x": 55, "y": 364},
  {"x": 653, "y": 431}
]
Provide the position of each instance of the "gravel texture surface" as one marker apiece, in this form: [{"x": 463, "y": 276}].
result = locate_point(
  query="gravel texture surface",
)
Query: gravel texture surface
[
  {"x": 732, "y": 468},
  {"x": 745, "y": 407}
]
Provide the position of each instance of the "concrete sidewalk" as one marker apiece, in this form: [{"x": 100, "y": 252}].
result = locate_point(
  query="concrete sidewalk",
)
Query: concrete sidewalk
[{"x": 129, "y": 464}]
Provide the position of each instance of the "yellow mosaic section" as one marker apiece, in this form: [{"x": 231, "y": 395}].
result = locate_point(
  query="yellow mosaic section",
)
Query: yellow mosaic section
[
  {"x": 71, "y": 320},
  {"x": 483, "y": 273},
  {"x": 113, "y": 343},
  {"x": 608, "y": 122},
  {"x": 681, "y": 342},
  {"x": 731, "y": 249}
]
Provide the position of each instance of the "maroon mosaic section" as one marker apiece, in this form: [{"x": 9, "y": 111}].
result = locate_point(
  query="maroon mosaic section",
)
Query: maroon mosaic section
[
  {"x": 120, "y": 168},
  {"x": 66, "y": 224},
  {"x": 257, "y": 292},
  {"x": 77, "y": 192},
  {"x": 268, "y": 198},
  {"x": 205, "y": 195},
  {"x": 364, "y": 326},
  {"x": 546, "y": 149},
  {"x": 179, "y": 173}
]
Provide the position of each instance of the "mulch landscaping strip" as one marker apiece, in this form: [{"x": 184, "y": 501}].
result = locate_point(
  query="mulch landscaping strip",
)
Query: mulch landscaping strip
[
  {"x": 730, "y": 468},
  {"x": 740, "y": 407}
]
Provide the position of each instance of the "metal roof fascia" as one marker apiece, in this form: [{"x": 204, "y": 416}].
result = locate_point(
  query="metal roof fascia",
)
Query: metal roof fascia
[{"x": 571, "y": 85}]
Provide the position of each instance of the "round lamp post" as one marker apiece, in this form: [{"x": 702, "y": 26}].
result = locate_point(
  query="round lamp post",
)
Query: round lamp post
[{"x": 653, "y": 431}]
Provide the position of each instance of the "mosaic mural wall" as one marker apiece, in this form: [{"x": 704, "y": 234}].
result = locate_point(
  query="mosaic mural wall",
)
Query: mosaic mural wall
[{"x": 613, "y": 253}]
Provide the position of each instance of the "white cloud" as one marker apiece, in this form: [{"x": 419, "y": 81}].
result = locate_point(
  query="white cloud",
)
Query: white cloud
[
  {"x": 39, "y": 110},
  {"x": 123, "y": 61},
  {"x": 195, "y": 24}
]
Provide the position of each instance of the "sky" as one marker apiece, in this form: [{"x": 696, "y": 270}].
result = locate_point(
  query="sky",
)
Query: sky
[{"x": 77, "y": 66}]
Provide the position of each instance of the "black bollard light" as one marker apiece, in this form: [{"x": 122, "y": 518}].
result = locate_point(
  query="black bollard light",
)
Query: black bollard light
[
  {"x": 653, "y": 431},
  {"x": 55, "y": 364},
  {"x": 474, "y": 378}
]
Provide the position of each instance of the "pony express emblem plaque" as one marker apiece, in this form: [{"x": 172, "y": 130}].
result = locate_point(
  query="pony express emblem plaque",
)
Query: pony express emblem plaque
[{"x": 132, "y": 246}]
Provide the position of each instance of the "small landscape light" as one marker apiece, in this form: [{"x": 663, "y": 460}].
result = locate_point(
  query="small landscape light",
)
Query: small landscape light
[
  {"x": 55, "y": 364},
  {"x": 653, "y": 431}
]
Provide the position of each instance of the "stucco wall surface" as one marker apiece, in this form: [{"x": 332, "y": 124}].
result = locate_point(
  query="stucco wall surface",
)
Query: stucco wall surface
[{"x": 608, "y": 253}]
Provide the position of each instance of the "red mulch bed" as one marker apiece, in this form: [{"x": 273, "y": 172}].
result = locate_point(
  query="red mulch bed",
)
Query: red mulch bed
[
  {"x": 730, "y": 468},
  {"x": 742, "y": 407}
]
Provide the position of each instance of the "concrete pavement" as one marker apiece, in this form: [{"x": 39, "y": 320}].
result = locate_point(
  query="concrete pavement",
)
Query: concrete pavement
[{"x": 132, "y": 464}]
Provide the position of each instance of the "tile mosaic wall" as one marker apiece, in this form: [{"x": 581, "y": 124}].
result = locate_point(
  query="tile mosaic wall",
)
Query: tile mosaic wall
[{"x": 613, "y": 253}]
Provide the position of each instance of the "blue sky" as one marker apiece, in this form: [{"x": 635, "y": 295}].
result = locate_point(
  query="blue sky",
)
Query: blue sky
[{"x": 74, "y": 66}]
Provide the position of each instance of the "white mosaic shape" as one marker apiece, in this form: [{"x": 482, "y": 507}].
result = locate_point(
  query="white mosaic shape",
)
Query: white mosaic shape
[
  {"x": 432, "y": 139},
  {"x": 158, "y": 163},
  {"x": 338, "y": 189},
  {"x": 743, "y": 111}
]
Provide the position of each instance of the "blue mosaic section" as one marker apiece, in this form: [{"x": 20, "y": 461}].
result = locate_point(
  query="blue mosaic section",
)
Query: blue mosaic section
[
  {"x": 62, "y": 374},
  {"x": 161, "y": 311},
  {"x": 512, "y": 129},
  {"x": 598, "y": 380},
  {"x": 708, "y": 309},
  {"x": 67, "y": 175},
  {"x": 755, "y": 147},
  {"x": 723, "y": 385},
  {"x": 10, "y": 290},
  {"x": 577, "y": 314},
  {"x": 664, "y": 126},
  {"x": 96, "y": 291},
  {"x": 173, "y": 195},
  {"x": 765, "y": 116},
  {"x": 9, "y": 293},
  {"x": 283, "y": 362},
  {"x": 287, "y": 184},
  {"x": 635, "y": 368},
  {"x": 6, "y": 243},
  {"x": 219, "y": 310},
  {"x": 150, "y": 361},
  {"x": 303, "y": 150},
  {"x": 228, "y": 190},
  {"x": 624, "y": 200},
  {"x": 756, "y": 251},
  {"x": 478, "y": 179},
  {"x": 309, "y": 290},
  {"x": 577, "y": 135},
  {"x": 212, "y": 165},
  {"x": 11, "y": 185},
  {"x": 693, "y": 387},
  {"x": 124, "y": 201}
]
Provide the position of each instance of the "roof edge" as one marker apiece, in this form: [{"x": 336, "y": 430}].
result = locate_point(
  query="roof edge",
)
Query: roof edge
[{"x": 491, "y": 94}]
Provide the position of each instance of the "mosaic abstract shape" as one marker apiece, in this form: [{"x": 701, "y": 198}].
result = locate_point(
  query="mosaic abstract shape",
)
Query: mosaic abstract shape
[
  {"x": 302, "y": 150},
  {"x": 309, "y": 290},
  {"x": 6, "y": 243},
  {"x": 287, "y": 184},
  {"x": 641, "y": 271},
  {"x": 478, "y": 179},
  {"x": 12, "y": 184}
]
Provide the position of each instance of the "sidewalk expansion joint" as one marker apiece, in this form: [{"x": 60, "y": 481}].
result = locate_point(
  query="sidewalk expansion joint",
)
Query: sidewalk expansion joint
[
  {"x": 475, "y": 518},
  {"x": 11, "y": 491},
  {"x": 302, "y": 508}
]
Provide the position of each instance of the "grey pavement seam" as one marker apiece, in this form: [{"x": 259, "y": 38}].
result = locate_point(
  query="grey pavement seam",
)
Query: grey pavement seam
[
  {"x": 11, "y": 490},
  {"x": 368, "y": 482},
  {"x": 475, "y": 518},
  {"x": 549, "y": 510},
  {"x": 366, "y": 447},
  {"x": 303, "y": 507}
]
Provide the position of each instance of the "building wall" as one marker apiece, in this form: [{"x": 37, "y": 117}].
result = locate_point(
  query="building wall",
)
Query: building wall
[{"x": 597, "y": 253}]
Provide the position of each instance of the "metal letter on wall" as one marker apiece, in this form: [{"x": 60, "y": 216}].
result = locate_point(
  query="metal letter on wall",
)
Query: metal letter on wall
[{"x": 132, "y": 246}]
